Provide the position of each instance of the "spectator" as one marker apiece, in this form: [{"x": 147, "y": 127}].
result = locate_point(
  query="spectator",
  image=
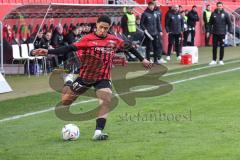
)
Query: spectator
[
  {"x": 150, "y": 23},
  {"x": 159, "y": 13},
  {"x": 88, "y": 28},
  {"x": 57, "y": 41},
  {"x": 206, "y": 17},
  {"x": 46, "y": 44},
  {"x": 169, "y": 12},
  {"x": 72, "y": 36},
  {"x": 46, "y": 41},
  {"x": 192, "y": 19},
  {"x": 174, "y": 28},
  {"x": 128, "y": 23},
  {"x": 80, "y": 30},
  {"x": 219, "y": 22},
  {"x": 38, "y": 41},
  {"x": 57, "y": 37},
  {"x": 185, "y": 27},
  {"x": 139, "y": 35}
]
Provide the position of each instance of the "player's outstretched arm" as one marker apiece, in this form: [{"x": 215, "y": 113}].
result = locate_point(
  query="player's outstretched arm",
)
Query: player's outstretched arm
[
  {"x": 146, "y": 63},
  {"x": 40, "y": 52},
  {"x": 61, "y": 50}
]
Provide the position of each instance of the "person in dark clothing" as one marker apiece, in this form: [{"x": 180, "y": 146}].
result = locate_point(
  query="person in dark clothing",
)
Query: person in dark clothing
[
  {"x": 220, "y": 22},
  {"x": 38, "y": 41},
  {"x": 46, "y": 41},
  {"x": 140, "y": 33},
  {"x": 167, "y": 16},
  {"x": 191, "y": 22},
  {"x": 57, "y": 41},
  {"x": 169, "y": 12},
  {"x": 206, "y": 17},
  {"x": 185, "y": 32},
  {"x": 80, "y": 30},
  {"x": 52, "y": 60},
  {"x": 69, "y": 59},
  {"x": 174, "y": 28},
  {"x": 57, "y": 37},
  {"x": 150, "y": 23},
  {"x": 159, "y": 13},
  {"x": 73, "y": 35},
  {"x": 96, "y": 47}
]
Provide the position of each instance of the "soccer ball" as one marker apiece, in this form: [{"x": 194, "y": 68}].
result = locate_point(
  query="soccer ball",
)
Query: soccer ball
[{"x": 70, "y": 132}]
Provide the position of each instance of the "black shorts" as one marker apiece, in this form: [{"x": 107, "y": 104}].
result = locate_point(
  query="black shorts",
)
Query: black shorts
[{"x": 79, "y": 86}]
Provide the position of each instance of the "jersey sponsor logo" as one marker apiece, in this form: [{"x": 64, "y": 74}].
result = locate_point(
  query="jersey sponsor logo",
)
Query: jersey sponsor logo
[{"x": 105, "y": 50}]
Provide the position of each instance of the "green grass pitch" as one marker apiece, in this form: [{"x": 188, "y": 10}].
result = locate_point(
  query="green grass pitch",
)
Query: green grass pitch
[{"x": 198, "y": 120}]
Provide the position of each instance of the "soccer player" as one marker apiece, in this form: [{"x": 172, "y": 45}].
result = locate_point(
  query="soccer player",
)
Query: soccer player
[{"x": 97, "y": 47}]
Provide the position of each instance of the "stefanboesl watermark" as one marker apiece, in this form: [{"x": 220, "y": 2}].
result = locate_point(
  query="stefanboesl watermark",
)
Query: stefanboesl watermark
[{"x": 156, "y": 115}]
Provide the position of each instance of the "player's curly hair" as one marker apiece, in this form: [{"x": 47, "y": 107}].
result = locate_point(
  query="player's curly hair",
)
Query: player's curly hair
[{"x": 104, "y": 18}]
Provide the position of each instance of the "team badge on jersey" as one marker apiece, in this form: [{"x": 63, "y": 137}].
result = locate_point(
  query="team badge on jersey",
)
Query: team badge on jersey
[{"x": 222, "y": 15}]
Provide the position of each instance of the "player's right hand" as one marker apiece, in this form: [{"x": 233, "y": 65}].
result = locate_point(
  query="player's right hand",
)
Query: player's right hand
[
  {"x": 40, "y": 52},
  {"x": 147, "y": 64}
]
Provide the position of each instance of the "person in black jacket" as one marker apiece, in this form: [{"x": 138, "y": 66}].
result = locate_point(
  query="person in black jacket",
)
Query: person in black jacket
[
  {"x": 174, "y": 28},
  {"x": 191, "y": 22},
  {"x": 57, "y": 41},
  {"x": 159, "y": 13},
  {"x": 219, "y": 22},
  {"x": 70, "y": 62},
  {"x": 57, "y": 37},
  {"x": 37, "y": 42},
  {"x": 52, "y": 60},
  {"x": 169, "y": 12},
  {"x": 150, "y": 23},
  {"x": 73, "y": 35},
  {"x": 46, "y": 41}
]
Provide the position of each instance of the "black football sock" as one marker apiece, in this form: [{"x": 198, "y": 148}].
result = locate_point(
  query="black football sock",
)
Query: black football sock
[{"x": 100, "y": 123}]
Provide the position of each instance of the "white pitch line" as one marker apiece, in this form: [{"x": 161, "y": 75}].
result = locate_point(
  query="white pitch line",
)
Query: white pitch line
[
  {"x": 39, "y": 112},
  {"x": 144, "y": 89},
  {"x": 189, "y": 79},
  {"x": 197, "y": 69}
]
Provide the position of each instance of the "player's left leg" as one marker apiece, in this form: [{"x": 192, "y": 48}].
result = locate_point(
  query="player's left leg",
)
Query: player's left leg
[{"x": 104, "y": 95}]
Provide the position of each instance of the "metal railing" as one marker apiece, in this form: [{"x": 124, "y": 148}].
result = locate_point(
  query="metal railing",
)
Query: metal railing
[{"x": 1, "y": 49}]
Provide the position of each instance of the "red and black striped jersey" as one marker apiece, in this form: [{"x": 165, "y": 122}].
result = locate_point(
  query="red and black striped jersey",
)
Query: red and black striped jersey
[{"x": 96, "y": 56}]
